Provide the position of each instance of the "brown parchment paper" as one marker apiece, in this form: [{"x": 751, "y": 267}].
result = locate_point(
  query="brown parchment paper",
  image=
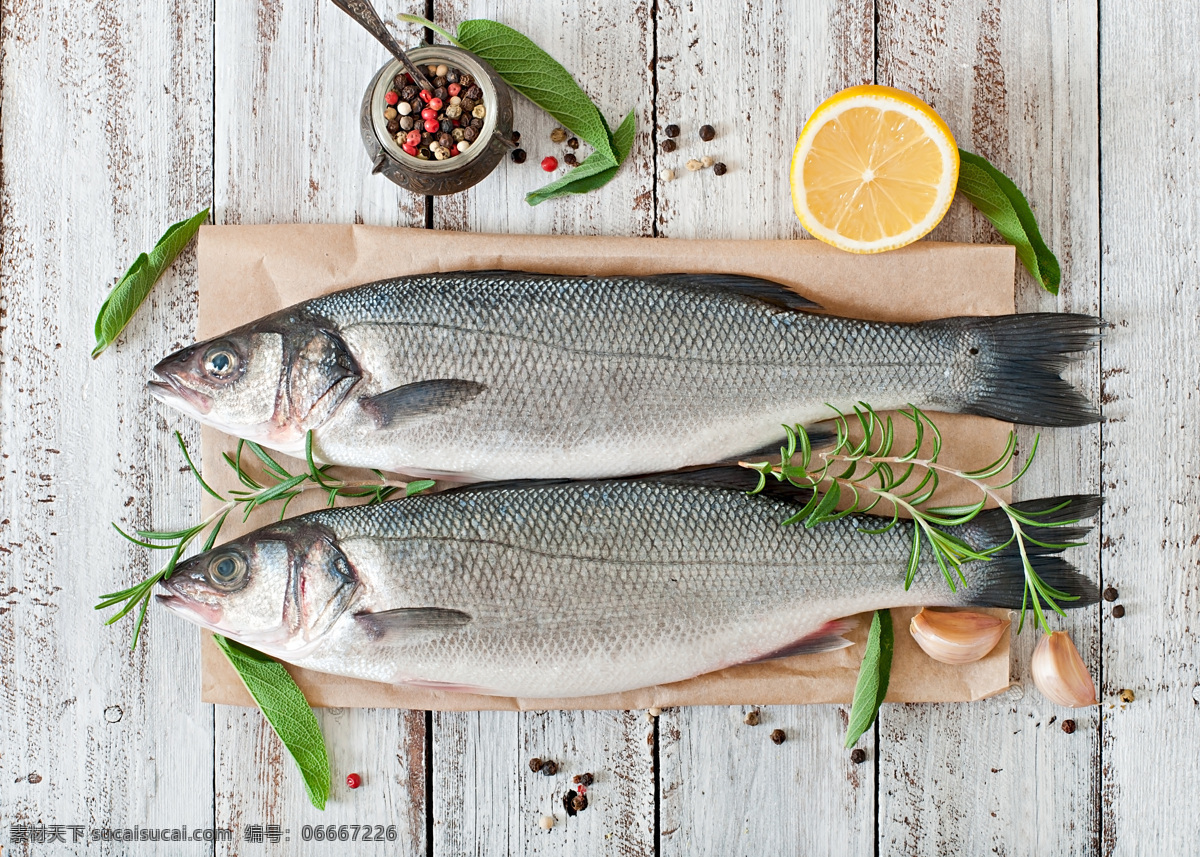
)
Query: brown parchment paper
[{"x": 249, "y": 271}]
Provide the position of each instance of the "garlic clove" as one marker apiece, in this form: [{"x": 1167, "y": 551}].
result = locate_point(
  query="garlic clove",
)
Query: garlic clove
[
  {"x": 1059, "y": 672},
  {"x": 956, "y": 637}
]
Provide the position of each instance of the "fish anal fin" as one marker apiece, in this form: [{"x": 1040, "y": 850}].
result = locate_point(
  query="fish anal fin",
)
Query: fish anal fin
[
  {"x": 828, "y": 638},
  {"x": 407, "y": 621},
  {"x": 419, "y": 399},
  {"x": 759, "y": 289}
]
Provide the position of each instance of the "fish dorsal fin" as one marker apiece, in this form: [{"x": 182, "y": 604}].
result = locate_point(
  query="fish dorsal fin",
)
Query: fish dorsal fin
[
  {"x": 406, "y": 621},
  {"x": 733, "y": 478},
  {"x": 420, "y": 399},
  {"x": 827, "y": 638},
  {"x": 759, "y": 289}
]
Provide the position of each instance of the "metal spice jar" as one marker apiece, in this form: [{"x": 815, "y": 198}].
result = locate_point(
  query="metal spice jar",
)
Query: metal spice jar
[{"x": 422, "y": 172}]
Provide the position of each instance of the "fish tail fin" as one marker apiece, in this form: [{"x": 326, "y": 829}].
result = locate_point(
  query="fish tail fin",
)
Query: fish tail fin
[
  {"x": 1000, "y": 582},
  {"x": 1017, "y": 360}
]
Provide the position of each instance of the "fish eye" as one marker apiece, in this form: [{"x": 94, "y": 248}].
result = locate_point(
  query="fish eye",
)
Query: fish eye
[
  {"x": 227, "y": 570},
  {"x": 220, "y": 362}
]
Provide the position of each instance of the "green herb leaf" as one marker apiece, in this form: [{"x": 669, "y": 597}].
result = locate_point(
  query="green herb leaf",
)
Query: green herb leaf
[
  {"x": 539, "y": 77},
  {"x": 425, "y": 22},
  {"x": 596, "y": 169},
  {"x": 418, "y": 486},
  {"x": 1001, "y": 202},
  {"x": 873, "y": 677},
  {"x": 131, "y": 290},
  {"x": 288, "y": 712}
]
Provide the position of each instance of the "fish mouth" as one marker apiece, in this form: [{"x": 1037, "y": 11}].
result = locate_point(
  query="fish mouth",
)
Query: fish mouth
[
  {"x": 201, "y": 614},
  {"x": 167, "y": 389}
]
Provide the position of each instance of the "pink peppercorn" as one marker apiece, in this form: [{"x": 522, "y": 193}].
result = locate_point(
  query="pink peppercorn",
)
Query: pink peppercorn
[
  {"x": 392, "y": 97},
  {"x": 411, "y": 149},
  {"x": 431, "y": 125},
  {"x": 353, "y": 780},
  {"x": 429, "y": 113},
  {"x": 426, "y": 95},
  {"x": 454, "y": 89},
  {"x": 435, "y": 103},
  {"x": 413, "y": 138},
  {"x": 549, "y": 164}
]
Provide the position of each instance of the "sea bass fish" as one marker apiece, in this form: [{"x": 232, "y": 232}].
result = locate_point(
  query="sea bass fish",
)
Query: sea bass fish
[
  {"x": 580, "y": 588},
  {"x": 501, "y": 375}
]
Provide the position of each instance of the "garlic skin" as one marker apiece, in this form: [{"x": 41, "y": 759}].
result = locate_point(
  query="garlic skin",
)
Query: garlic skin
[
  {"x": 1060, "y": 674},
  {"x": 958, "y": 637}
]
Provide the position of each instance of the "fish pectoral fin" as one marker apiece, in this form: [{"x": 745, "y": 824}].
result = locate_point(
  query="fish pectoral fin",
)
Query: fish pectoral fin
[
  {"x": 759, "y": 289},
  {"x": 827, "y": 638},
  {"x": 419, "y": 399},
  {"x": 407, "y": 621}
]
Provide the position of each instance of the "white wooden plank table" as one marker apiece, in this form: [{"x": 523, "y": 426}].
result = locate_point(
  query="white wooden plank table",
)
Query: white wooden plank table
[{"x": 118, "y": 118}]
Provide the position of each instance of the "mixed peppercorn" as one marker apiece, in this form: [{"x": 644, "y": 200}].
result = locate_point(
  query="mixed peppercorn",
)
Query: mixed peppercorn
[{"x": 435, "y": 124}]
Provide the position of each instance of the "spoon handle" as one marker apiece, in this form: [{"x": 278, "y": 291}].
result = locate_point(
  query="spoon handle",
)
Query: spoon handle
[{"x": 364, "y": 13}]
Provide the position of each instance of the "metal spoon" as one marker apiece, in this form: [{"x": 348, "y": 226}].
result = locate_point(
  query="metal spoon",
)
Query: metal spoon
[{"x": 364, "y": 13}]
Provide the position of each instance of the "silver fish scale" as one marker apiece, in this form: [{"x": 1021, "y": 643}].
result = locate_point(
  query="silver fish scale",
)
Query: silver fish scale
[
  {"x": 645, "y": 583},
  {"x": 607, "y": 376}
]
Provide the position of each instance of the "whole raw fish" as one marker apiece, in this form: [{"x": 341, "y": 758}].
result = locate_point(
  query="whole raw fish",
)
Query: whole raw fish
[
  {"x": 579, "y": 588},
  {"x": 502, "y": 375}
]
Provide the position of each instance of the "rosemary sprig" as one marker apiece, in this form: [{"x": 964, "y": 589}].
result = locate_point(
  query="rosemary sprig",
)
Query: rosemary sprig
[
  {"x": 871, "y": 471},
  {"x": 276, "y": 484}
]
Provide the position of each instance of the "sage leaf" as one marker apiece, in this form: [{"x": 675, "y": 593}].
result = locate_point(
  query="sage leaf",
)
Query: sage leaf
[
  {"x": 288, "y": 712},
  {"x": 131, "y": 290},
  {"x": 539, "y": 77},
  {"x": 595, "y": 171},
  {"x": 1001, "y": 202},
  {"x": 873, "y": 677}
]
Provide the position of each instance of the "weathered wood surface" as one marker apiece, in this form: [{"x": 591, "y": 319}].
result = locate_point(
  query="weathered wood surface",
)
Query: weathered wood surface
[
  {"x": 1150, "y": 120},
  {"x": 119, "y": 118}
]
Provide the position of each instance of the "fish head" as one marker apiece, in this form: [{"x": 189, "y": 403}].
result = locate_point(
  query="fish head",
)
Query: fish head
[
  {"x": 279, "y": 589},
  {"x": 270, "y": 381}
]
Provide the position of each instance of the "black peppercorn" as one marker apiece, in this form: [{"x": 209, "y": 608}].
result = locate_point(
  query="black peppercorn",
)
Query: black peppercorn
[
  {"x": 417, "y": 106},
  {"x": 778, "y": 736},
  {"x": 1068, "y": 726},
  {"x": 442, "y": 93},
  {"x": 426, "y": 138},
  {"x": 671, "y": 130},
  {"x": 406, "y": 123},
  {"x": 573, "y": 142},
  {"x": 467, "y": 105},
  {"x": 465, "y": 80},
  {"x": 1118, "y": 611},
  {"x": 446, "y": 126},
  {"x": 518, "y": 155},
  {"x": 393, "y": 126},
  {"x": 570, "y": 160},
  {"x": 1109, "y": 594},
  {"x": 477, "y": 122},
  {"x": 445, "y": 140},
  {"x": 720, "y": 169},
  {"x": 438, "y": 81},
  {"x": 579, "y": 803},
  {"x": 583, "y": 779},
  {"x": 668, "y": 146},
  {"x": 469, "y": 134},
  {"x": 753, "y": 717},
  {"x": 452, "y": 76},
  {"x": 858, "y": 755},
  {"x": 535, "y": 764},
  {"x": 707, "y": 132},
  {"x": 474, "y": 93},
  {"x": 549, "y": 768},
  {"x": 408, "y": 93}
]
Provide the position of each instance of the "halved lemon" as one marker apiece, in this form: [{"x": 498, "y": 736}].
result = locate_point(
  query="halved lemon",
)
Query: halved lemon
[{"x": 874, "y": 169}]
